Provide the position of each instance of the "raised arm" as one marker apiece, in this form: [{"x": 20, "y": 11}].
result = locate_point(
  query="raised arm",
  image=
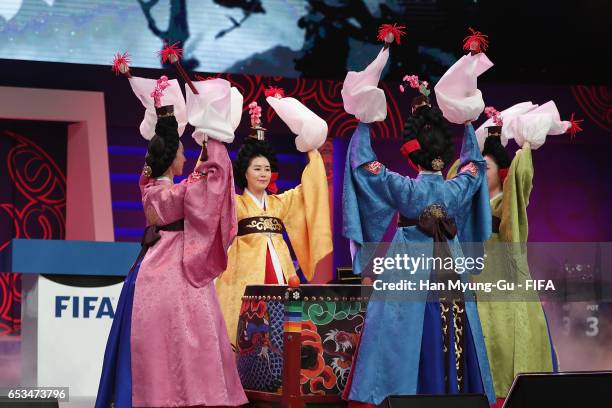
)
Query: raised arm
[
  {"x": 471, "y": 193},
  {"x": 306, "y": 215},
  {"x": 371, "y": 194},
  {"x": 210, "y": 217},
  {"x": 379, "y": 187},
  {"x": 471, "y": 169},
  {"x": 514, "y": 225}
]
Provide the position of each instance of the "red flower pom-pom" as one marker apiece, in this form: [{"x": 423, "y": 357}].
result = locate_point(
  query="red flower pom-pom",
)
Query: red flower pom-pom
[
  {"x": 390, "y": 32},
  {"x": 171, "y": 53},
  {"x": 476, "y": 42},
  {"x": 575, "y": 126},
  {"x": 275, "y": 92},
  {"x": 121, "y": 63}
]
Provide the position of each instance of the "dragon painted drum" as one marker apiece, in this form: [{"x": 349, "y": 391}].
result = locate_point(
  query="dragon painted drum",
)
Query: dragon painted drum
[{"x": 332, "y": 317}]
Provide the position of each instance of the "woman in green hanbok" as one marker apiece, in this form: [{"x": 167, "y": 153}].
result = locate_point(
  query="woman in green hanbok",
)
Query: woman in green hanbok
[{"x": 515, "y": 328}]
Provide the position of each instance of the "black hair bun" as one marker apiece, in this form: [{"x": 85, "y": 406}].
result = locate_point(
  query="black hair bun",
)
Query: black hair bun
[
  {"x": 495, "y": 150},
  {"x": 162, "y": 148},
  {"x": 429, "y": 126}
]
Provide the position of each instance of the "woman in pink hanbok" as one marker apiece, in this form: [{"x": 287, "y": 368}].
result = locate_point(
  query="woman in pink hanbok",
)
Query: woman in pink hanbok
[{"x": 168, "y": 344}]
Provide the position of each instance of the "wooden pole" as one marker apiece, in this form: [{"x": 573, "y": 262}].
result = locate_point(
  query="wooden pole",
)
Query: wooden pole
[{"x": 292, "y": 346}]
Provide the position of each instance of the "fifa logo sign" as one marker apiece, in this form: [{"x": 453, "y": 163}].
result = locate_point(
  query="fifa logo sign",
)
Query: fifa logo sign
[{"x": 84, "y": 307}]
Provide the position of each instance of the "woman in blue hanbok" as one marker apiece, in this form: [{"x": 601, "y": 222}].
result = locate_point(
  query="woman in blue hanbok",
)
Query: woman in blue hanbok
[{"x": 428, "y": 342}]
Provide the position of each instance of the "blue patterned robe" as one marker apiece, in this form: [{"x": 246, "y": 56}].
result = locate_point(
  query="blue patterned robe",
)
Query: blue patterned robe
[{"x": 391, "y": 358}]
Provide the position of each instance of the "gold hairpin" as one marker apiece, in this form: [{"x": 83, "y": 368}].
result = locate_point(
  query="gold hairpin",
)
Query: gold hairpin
[{"x": 437, "y": 164}]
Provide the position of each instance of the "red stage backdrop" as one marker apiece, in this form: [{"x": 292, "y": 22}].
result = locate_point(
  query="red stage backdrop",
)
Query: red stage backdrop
[{"x": 32, "y": 198}]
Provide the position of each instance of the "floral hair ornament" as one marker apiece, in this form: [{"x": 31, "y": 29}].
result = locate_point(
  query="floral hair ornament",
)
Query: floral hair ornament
[
  {"x": 161, "y": 111},
  {"x": 495, "y": 116},
  {"x": 255, "y": 114},
  {"x": 158, "y": 92},
  {"x": 159, "y": 97},
  {"x": 495, "y": 131},
  {"x": 413, "y": 81}
]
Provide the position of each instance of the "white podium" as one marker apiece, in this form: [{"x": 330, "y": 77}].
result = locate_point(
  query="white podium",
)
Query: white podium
[{"x": 70, "y": 290}]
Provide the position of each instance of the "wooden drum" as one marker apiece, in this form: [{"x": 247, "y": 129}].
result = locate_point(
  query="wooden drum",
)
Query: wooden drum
[{"x": 326, "y": 319}]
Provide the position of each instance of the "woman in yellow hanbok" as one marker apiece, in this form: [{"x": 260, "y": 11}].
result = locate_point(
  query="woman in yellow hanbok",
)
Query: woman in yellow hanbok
[{"x": 259, "y": 254}]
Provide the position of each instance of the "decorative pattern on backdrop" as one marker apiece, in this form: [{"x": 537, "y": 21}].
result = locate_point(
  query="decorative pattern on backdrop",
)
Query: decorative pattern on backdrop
[{"x": 32, "y": 198}]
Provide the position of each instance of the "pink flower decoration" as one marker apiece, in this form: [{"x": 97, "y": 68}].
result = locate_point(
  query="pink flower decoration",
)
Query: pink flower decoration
[
  {"x": 255, "y": 113},
  {"x": 413, "y": 80},
  {"x": 161, "y": 84},
  {"x": 492, "y": 113}
]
